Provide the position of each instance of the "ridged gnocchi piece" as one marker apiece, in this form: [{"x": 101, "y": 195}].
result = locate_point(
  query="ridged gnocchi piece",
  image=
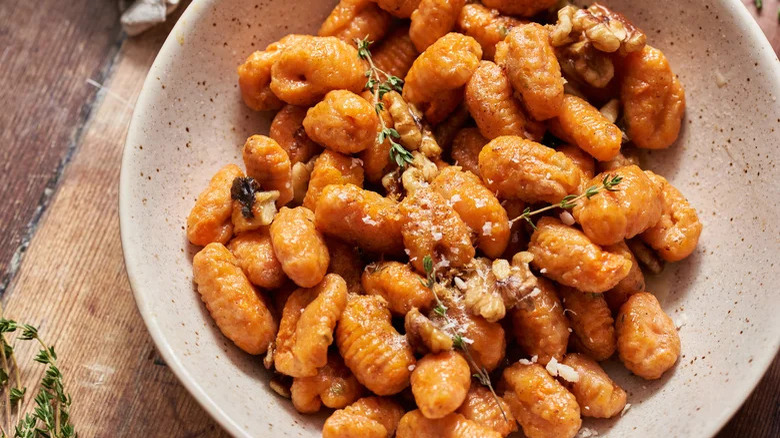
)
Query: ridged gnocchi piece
[
  {"x": 490, "y": 100},
  {"x": 482, "y": 408},
  {"x": 343, "y": 122},
  {"x": 299, "y": 247},
  {"x": 477, "y": 206},
  {"x": 516, "y": 168},
  {"x": 369, "y": 417},
  {"x": 432, "y": 20},
  {"x": 306, "y": 328},
  {"x": 398, "y": 284},
  {"x": 539, "y": 324},
  {"x": 589, "y": 129},
  {"x": 591, "y": 322},
  {"x": 331, "y": 167},
  {"x": 269, "y": 165},
  {"x": 209, "y": 219},
  {"x": 396, "y": 53},
  {"x": 611, "y": 216},
  {"x": 653, "y": 99},
  {"x": 306, "y": 71},
  {"x": 254, "y": 75},
  {"x": 346, "y": 262},
  {"x": 676, "y": 234},
  {"x": 542, "y": 406},
  {"x": 333, "y": 386},
  {"x": 567, "y": 256},
  {"x": 647, "y": 340},
  {"x": 466, "y": 146},
  {"x": 399, "y": 8},
  {"x": 240, "y": 312},
  {"x": 353, "y": 19},
  {"x": 287, "y": 129},
  {"x": 633, "y": 283},
  {"x": 440, "y": 382},
  {"x": 254, "y": 253},
  {"x": 485, "y": 25},
  {"x": 597, "y": 395},
  {"x": 533, "y": 69},
  {"x": 488, "y": 346},
  {"x": 378, "y": 356},
  {"x": 431, "y": 227},
  {"x": 523, "y": 8},
  {"x": 361, "y": 217},
  {"x": 423, "y": 335},
  {"x": 415, "y": 425},
  {"x": 446, "y": 65}
]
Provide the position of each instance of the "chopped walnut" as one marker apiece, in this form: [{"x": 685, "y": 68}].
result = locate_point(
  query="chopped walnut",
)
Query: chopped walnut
[
  {"x": 419, "y": 173},
  {"x": 607, "y": 30},
  {"x": 281, "y": 385},
  {"x": 584, "y": 38},
  {"x": 610, "y": 110},
  {"x": 582, "y": 60},
  {"x": 301, "y": 172},
  {"x": 631, "y": 38},
  {"x": 393, "y": 186},
  {"x": 268, "y": 360},
  {"x": 429, "y": 146},
  {"x": 262, "y": 212},
  {"x": 561, "y": 32},
  {"x": 646, "y": 256},
  {"x": 406, "y": 120},
  {"x": 519, "y": 282},
  {"x": 482, "y": 296},
  {"x": 423, "y": 335}
]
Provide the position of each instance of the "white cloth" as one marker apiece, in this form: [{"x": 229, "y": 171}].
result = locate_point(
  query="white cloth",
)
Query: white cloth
[{"x": 143, "y": 14}]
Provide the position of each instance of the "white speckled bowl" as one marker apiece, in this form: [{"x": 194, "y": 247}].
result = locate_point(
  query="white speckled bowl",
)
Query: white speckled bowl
[{"x": 189, "y": 121}]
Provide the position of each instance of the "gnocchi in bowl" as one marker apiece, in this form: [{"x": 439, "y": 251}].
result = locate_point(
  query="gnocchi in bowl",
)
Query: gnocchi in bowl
[{"x": 432, "y": 218}]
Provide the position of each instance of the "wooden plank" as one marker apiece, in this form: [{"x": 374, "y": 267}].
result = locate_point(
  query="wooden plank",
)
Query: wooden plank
[
  {"x": 48, "y": 49},
  {"x": 73, "y": 285}
]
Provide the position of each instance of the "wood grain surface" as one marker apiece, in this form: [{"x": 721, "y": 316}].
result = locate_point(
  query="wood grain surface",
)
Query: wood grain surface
[
  {"x": 72, "y": 281},
  {"x": 48, "y": 50}
]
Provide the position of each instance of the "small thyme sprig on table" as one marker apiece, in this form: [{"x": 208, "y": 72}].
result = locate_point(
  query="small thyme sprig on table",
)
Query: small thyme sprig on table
[
  {"x": 379, "y": 88},
  {"x": 51, "y": 416},
  {"x": 568, "y": 202},
  {"x": 458, "y": 341}
]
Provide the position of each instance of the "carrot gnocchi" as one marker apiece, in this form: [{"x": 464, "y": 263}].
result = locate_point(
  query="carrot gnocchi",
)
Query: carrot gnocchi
[{"x": 436, "y": 240}]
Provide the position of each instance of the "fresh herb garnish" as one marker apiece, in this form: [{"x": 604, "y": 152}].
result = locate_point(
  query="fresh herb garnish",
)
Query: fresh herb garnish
[
  {"x": 379, "y": 88},
  {"x": 458, "y": 341},
  {"x": 243, "y": 191},
  {"x": 569, "y": 201}
]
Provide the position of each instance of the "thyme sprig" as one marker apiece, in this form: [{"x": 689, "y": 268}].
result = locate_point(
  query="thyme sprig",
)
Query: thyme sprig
[
  {"x": 379, "y": 88},
  {"x": 51, "y": 416},
  {"x": 568, "y": 202},
  {"x": 458, "y": 341}
]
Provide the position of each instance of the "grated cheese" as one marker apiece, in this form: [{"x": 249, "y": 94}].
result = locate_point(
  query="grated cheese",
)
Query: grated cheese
[
  {"x": 625, "y": 409},
  {"x": 566, "y": 372}
]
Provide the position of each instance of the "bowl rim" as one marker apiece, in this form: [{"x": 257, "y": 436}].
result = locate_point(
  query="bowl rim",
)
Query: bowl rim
[{"x": 742, "y": 18}]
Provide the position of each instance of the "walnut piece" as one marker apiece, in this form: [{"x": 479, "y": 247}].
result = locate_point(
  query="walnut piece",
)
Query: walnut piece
[
  {"x": 423, "y": 335},
  {"x": 519, "y": 282},
  {"x": 646, "y": 256},
  {"x": 584, "y": 38},
  {"x": 406, "y": 120},
  {"x": 419, "y": 173},
  {"x": 482, "y": 296}
]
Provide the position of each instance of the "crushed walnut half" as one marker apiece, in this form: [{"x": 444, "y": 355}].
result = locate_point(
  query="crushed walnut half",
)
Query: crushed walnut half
[
  {"x": 584, "y": 38},
  {"x": 423, "y": 335}
]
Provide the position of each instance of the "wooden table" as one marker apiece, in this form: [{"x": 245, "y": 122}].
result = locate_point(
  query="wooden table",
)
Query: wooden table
[{"x": 68, "y": 81}]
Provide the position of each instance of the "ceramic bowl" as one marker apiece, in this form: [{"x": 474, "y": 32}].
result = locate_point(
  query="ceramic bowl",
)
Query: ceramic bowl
[{"x": 189, "y": 121}]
